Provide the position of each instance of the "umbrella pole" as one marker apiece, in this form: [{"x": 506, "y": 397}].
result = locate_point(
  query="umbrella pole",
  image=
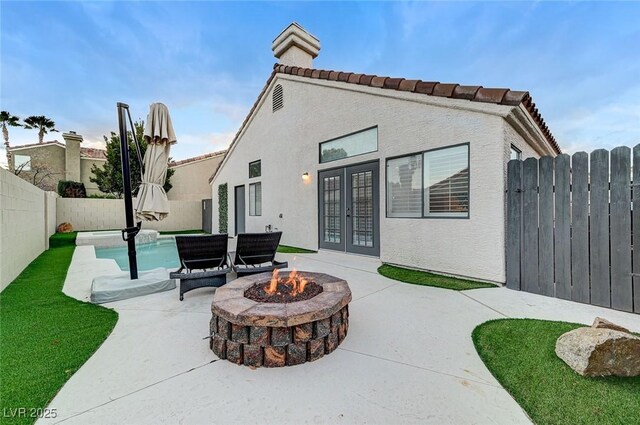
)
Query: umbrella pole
[{"x": 131, "y": 229}]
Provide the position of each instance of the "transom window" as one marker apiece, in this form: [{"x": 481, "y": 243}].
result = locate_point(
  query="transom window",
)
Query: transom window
[
  {"x": 255, "y": 169},
  {"x": 255, "y": 199},
  {"x": 359, "y": 143},
  {"x": 429, "y": 184},
  {"x": 515, "y": 153}
]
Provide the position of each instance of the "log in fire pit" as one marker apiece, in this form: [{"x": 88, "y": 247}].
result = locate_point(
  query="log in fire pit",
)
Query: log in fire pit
[{"x": 272, "y": 321}]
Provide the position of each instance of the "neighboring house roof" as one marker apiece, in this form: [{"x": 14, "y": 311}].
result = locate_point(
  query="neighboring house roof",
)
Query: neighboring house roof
[
  {"x": 93, "y": 153},
  {"x": 500, "y": 96},
  {"x": 197, "y": 158},
  {"x": 87, "y": 153}
]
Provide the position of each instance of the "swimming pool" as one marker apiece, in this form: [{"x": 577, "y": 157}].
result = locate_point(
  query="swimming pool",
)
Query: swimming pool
[{"x": 162, "y": 253}]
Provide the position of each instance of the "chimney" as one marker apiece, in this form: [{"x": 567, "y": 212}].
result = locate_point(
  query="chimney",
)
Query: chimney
[
  {"x": 296, "y": 47},
  {"x": 72, "y": 155}
]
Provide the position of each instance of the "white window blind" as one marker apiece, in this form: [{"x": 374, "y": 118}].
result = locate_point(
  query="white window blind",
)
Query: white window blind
[
  {"x": 255, "y": 199},
  {"x": 404, "y": 186},
  {"x": 446, "y": 182}
]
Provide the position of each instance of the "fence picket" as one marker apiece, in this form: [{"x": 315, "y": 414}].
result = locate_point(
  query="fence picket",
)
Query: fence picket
[
  {"x": 562, "y": 240},
  {"x": 621, "y": 283},
  {"x": 514, "y": 223},
  {"x": 545, "y": 231},
  {"x": 636, "y": 228},
  {"x": 530, "y": 225},
  {"x": 580, "y": 227},
  {"x": 600, "y": 284}
]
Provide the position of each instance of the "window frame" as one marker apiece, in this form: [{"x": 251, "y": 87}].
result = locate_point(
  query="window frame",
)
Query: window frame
[
  {"x": 347, "y": 135},
  {"x": 514, "y": 148},
  {"x": 28, "y": 161},
  {"x": 423, "y": 216},
  {"x": 253, "y": 199},
  {"x": 253, "y": 162}
]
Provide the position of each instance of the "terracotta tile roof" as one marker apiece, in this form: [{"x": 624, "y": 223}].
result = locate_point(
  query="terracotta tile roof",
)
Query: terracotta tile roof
[
  {"x": 197, "y": 158},
  {"x": 32, "y": 145},
  {"x": 501, "y": 96},
  {"x": 93, "y": 153}
]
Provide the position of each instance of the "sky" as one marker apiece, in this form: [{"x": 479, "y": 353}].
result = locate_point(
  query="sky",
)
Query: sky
[{"x": 207, "y": 61}]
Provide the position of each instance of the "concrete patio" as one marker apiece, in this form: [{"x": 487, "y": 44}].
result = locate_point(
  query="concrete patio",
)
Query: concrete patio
[{"x": 408, "y": 357}]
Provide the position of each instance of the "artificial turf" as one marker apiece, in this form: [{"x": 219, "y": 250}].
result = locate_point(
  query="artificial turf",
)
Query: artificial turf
[
  {"x": 285, "y": 249},
  {"x": 418, "y": 277},
  {"x": 520, "y": 354},
  {"x": 45, "y": 336}
]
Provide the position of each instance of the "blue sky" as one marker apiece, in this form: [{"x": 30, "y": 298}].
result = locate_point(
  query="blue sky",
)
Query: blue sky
[{"x": 72, "y": 61}]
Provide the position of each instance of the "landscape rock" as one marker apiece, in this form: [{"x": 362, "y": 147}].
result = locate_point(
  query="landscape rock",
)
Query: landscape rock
[
  {"x": 64, "y": 228},
  {"x": 601, "y": 323},
  {"x": 600, "y": 352}
]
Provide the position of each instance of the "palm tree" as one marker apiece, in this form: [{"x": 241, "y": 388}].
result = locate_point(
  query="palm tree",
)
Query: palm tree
[
  {"x": 42, "y": 123},
  {"x": 8, "y": 120}
]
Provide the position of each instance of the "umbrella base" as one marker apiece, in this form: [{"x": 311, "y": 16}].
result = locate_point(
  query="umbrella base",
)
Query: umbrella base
[{"x": 105, "y": 289}]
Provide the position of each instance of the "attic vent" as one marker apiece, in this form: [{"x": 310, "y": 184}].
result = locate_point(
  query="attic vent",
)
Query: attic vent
[{"x": 277, "y": 98}]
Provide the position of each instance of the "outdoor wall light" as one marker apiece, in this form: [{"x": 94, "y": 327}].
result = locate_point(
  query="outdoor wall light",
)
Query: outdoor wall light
[{"x": 305, "y": 177}]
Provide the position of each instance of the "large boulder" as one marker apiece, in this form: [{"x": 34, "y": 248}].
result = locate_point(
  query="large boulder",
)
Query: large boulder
[{"x": 600, "y": 351}]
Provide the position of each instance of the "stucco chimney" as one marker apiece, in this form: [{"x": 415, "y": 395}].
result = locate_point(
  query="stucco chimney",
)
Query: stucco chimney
[
  {"x": 72, "y": 155},
  {"x": 296, "y": 47}
]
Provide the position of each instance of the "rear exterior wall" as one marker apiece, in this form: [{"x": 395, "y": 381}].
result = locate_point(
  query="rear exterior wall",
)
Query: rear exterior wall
[{"x": 287, "y": 143}]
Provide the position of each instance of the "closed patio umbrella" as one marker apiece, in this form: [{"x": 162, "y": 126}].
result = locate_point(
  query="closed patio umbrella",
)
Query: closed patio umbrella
[{"x": 152, "y": 203}]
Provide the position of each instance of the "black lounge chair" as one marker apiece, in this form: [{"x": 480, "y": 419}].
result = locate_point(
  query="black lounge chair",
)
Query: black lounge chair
[
  {"x": 256, "y": 252},
  {"x": 207, "y": 253}
]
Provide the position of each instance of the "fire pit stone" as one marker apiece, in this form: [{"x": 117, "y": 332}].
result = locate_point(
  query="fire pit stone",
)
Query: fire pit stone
[{"x": 273, "y": 334}]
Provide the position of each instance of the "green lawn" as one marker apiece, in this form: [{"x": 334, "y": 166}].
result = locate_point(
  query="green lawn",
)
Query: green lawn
[
  {"x": 520, "y": 354},
  {"x": 45, "y": 336},
  {"x": 418, "y": 277},
  {"x": 284, "y": 249}
]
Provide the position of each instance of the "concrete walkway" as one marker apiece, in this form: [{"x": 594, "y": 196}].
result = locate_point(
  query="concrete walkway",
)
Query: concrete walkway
[{"x": 408, "y": 357}]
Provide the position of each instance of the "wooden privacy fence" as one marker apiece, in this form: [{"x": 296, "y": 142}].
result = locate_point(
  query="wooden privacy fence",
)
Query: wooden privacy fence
[{"x": 569, "y": 227}]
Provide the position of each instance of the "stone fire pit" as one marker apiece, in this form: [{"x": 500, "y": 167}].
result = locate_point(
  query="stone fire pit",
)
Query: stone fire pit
[{"x": 272, "y": 334}]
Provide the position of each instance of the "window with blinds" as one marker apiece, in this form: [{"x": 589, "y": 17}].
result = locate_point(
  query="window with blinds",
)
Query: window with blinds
[
  {"x": 429, "y": 184},
  {"x": 255, "y": 199},
  {"x": 446, "y": 182},
  {"x": 404, "y": 186}
]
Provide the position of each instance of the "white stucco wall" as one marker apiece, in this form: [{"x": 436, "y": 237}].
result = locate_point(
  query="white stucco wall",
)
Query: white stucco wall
[
  {"x": 106, "y": 214},
  {"x": 22, "y": 225},
  {"x": 315, "y": 111},
  {"x": 191, "y": 180}
]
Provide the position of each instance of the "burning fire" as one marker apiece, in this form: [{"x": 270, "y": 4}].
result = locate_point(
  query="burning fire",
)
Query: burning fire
[{"x": 295, "y": 280}]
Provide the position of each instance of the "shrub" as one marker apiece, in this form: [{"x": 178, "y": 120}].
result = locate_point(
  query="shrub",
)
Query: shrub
[
  {"x": 223, "y": 212},
  {"x": 71, "y": 189}
]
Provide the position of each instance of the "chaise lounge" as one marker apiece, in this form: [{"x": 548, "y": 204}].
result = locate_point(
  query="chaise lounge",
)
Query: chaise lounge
[
  {"x": 207, "y": 253},
  {"x": 256, "y": 252}
]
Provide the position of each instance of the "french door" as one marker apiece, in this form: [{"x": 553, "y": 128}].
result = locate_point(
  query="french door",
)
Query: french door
[{"x": 349, "y": 209}]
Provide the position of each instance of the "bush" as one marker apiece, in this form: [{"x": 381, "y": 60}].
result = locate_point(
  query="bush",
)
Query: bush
[
  {"x": 71, "y": 189},
  {"x": 223, "y": 215},
  {"x": 103, "y": 196}
]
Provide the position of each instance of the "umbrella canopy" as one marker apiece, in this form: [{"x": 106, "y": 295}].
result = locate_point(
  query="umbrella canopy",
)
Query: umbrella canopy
[{"x": 152, "y": 203}]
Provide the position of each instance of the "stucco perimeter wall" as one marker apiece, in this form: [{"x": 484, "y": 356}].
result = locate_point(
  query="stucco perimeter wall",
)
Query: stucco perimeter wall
[
  {"x": 108, "y": 214},
  {"x": 22, "y": 225},
  {"x": 287, "y": 142},
  {"x": 191, "y": 181}
]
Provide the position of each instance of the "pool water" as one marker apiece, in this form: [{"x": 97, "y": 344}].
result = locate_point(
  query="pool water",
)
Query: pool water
[{"x": 162, "y": 253}]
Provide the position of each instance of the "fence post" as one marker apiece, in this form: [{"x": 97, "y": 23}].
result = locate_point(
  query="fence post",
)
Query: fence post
[
  {"x": 562, "y": 240},
  {"x": 636, "y": 228},
  {"x": 600, "y": 283},
  {"x": 530, "y": 226},
  {"x": 514, "y": 223}
]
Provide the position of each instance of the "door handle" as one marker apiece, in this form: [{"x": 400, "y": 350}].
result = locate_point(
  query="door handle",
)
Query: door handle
[{"x": 348, "y": 212}]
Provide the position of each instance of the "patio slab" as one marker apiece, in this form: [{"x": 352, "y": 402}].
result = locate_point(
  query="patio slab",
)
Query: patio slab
[{"x": 408, "y": 358}]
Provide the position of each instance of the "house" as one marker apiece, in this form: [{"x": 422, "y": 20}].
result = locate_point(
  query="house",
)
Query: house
[
  {"x": 45, "y": 164},
  {"x": 410, "y": 171},
  {"x": 190, "y": 180}
]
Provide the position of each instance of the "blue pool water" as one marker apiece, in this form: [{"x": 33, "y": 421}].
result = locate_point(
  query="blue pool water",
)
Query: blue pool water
[{"x": 162, "y": 253}]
